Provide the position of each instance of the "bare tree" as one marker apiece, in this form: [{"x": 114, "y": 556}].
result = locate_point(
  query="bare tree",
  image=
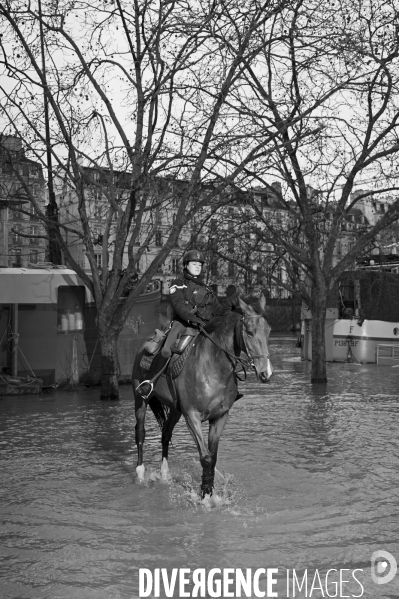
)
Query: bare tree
[
  {"x": 324, "y": 94},
  {"x": 135, "y": 90}
]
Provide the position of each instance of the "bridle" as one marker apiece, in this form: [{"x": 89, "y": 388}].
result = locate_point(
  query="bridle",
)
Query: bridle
[
  {"x": 239, "y": 336},
  {"x": 243, "y": 344}
]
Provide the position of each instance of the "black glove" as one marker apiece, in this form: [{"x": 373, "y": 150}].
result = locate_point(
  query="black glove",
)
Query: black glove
[{"x": 195, "y": 321}]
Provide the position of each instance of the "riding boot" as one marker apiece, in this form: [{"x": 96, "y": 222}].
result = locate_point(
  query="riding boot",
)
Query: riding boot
[{"x": 176, "y": 329}]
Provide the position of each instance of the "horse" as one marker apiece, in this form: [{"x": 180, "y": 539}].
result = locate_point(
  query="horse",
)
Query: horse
[{"x": 207, "y": 386}]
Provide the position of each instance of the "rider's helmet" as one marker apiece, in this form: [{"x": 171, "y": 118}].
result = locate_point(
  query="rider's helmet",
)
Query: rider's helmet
[{"x": 193, "y": 256}]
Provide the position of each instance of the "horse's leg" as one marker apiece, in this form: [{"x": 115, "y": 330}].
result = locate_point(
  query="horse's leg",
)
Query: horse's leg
[
  {"x": 173, "y": 419},
  {"x": 193, "y": 420},
  {"x": 215, "y": 430},
  {"x": 140, "y": 409}
]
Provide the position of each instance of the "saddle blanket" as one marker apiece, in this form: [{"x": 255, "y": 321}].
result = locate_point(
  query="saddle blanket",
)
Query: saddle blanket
[
  {"x": 175, "y": 365},
  {"x": 177, "y": 362},
  {"x": 147, "y": 359}
]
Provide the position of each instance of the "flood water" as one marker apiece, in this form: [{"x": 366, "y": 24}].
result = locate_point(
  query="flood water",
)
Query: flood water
[{"x": 308, "y": 480}]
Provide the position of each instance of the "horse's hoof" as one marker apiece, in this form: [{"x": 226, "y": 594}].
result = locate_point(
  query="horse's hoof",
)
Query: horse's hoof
[
  {"x": 206, "y": 491},
  {"x": 140, "y": 472},
  {"x": 165, "y": 470},
  {"x": 211, "y": 500}
]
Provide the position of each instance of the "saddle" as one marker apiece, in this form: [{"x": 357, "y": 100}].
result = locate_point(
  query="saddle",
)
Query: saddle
[
  {"x": 180, "y": 350},
  {"x": 180, "y": 353}
]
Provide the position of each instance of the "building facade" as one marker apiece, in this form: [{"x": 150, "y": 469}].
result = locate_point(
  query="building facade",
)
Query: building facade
[
  {"x": 227, "y": 229},
  {"x": 22, "y": 236}
]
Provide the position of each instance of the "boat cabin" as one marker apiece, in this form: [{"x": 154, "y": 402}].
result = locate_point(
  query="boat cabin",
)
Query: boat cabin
[{"x": 48, "y": 327}]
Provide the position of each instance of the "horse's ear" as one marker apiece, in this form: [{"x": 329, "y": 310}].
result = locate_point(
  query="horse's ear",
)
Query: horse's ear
[
  {"x": 244, "y": 307},
  {"x": 233, "y": 291},
  {"x": 262, "y": 302}
]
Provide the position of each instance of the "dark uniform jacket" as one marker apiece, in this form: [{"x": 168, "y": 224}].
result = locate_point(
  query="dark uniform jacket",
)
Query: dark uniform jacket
[{"x": 192, "y": 300}]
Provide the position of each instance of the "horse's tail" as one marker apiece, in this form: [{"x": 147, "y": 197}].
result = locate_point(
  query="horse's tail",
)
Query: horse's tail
[{"x": 159, "y": 411}]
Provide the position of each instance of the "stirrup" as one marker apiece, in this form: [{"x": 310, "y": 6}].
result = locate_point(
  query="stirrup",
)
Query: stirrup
[{"x": 140, "y": 391}]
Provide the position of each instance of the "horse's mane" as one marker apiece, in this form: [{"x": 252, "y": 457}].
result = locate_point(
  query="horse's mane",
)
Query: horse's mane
[{"x": 220, "y": 323}]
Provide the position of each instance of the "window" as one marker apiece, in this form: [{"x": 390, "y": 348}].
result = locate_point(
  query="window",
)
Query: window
[
  {"x": 70, "y": 308},
  {"x": 7, "y": 166},
  {"x": 97, "y": 235},
  {"x": 16, "y": 238},
  {"x": 16, "y": 260},
  {"x": 100, "y": 209},
  {"x": 231, "y": 246},
  {"x": 175, "y": 265},
  {"x": 231, "y": 269},
  {"x": 339, "y": 248},
  {"x": 247, "y": 278},
  {"x": 33, "y": 256},
  {"x": 32, "y": 212},
  {"x": 99, "y": 260},
  {"x": 15, "y": 214},
  {"x": 214, "y": 268},
  {"x": 34, "y": 171},
  {"x": 158, "y": 238},
  {"x": 34, "y": 230}
]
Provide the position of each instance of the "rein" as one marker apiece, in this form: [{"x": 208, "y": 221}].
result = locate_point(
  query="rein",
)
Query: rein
[{"x": 242, "y": 346}]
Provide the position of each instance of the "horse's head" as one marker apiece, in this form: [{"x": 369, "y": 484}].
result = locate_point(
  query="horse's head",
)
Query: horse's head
[{"x": 255, "y": 337}]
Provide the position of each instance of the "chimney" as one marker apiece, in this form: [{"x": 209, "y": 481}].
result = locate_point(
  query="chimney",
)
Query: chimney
[{"x": 277, "y": 186}]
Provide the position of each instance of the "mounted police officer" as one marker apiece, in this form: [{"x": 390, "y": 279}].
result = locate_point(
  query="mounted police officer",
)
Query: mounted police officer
[{"x": 193, "y": 304}]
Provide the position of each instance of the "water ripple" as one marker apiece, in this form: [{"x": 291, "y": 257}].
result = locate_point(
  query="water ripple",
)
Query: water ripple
[{"x": 308, "y": 478}]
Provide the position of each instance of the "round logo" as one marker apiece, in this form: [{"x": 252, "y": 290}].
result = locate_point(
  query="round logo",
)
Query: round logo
[{"x": 380, "y": 572}]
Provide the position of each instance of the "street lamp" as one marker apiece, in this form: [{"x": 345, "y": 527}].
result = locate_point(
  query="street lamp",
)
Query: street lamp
[{"x": 51, "y": 208}]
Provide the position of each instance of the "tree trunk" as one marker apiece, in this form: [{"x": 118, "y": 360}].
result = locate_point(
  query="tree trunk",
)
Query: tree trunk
[
  {"x": 108, "y": 337},
  {"x": 319, "y": 369}
]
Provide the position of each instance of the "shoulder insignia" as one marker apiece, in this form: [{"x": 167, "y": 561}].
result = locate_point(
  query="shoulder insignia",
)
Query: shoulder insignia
[{"x": 175, "y": 287}]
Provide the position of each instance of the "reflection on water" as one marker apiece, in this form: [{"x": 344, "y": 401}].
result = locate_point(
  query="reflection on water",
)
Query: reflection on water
[{"x": 308, "y": 478}]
